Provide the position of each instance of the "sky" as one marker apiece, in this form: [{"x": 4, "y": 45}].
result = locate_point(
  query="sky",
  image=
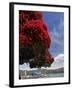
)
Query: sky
[{"x": 55, "y": 25}]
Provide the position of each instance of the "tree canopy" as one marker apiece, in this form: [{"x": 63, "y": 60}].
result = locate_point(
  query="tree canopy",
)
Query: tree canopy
[{"x": 34, "y": 39}]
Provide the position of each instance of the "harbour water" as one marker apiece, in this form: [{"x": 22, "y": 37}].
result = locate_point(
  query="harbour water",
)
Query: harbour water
[
  {"x": 55, "y": 75},
  {"x": 39, "y": 74}
]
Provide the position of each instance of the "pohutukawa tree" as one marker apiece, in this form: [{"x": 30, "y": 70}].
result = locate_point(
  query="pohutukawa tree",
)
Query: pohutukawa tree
[{"x": 34, "y": 40}]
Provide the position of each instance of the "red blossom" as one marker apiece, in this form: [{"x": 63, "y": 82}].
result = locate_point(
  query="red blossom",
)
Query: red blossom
[
  {"x": 48, "y": 57},
  {"x": 29, "y": 15},
  {"x": 32, "y": 29},
  {"x": 36, "y": 29},
  {"x": 23, "y": 39}
]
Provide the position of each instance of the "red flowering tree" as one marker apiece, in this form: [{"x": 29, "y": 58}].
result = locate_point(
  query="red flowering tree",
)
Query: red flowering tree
[{"x": 34, "y": 40}]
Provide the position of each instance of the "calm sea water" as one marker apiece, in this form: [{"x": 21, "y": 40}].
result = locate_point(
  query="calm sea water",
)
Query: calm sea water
[{"x": 55, "y": 75}]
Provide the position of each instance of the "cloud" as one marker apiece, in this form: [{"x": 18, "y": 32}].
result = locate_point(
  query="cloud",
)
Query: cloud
[
  {"x": 57, "y": 33},
  {"x": 59, "y": 61},
  {"x": 24, "y": 66},
  {"x": 59, "y": 57},
  {"x": 57, "y": 37}
]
